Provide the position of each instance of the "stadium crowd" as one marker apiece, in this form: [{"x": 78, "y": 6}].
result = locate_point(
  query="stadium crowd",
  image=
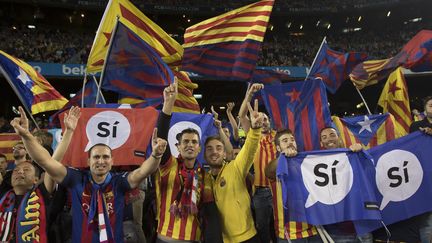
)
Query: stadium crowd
[{"x": 66, "y": 46}]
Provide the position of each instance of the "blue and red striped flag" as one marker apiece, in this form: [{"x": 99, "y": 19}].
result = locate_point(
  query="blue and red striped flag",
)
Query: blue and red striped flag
[
  {"x": 34, "y": 91},
  {"x": 133, "y": 68},
  {"x": 415, "y": 55},
  {"x": 334, "y": 67},
  {"x": 90, "y": 91},
  {"x": 268, "y": 76},
  {"x": 300, "y": 106},
  {"x": 227, "y": 46}
]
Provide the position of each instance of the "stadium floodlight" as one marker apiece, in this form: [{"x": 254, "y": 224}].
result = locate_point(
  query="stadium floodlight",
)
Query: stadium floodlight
[
  {"x": 388, "y": 13},
  {"x": 31, "y": 26},
  {"x": 198, "y": 96}
]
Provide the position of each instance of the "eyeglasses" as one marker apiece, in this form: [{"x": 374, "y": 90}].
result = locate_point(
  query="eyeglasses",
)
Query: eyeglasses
[{"x": 18, "y": 147}]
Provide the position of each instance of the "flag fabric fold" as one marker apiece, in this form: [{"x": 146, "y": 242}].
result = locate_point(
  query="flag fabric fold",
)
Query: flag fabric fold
[
  {"x": 333, "y": 67},
  {"x": 32, "y": 88},
  {"x": 300, "y": 106},
  {"x": 415, "y": 55},
  {"x": 227, "y": 46},
  {"x": 133, "y": 68},
  {"x": 166, "y": 47},
  {"x": 394, "y": 99},
  {"x": 368, "y": 130}
]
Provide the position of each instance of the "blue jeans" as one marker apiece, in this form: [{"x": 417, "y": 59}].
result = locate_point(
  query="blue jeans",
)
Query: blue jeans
[
  {"x": 313, "y": 239},
  {"x": 426, "y": 228},
  {"x": 262, "y": 201}
]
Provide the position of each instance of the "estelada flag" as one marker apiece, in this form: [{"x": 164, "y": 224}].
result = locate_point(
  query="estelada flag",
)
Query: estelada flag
[{"x": 127, "y": 131}]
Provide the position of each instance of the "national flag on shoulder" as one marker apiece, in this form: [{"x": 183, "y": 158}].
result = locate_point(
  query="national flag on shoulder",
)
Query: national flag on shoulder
[
  {"x": 394, "y": 99},
  {"x": 203, "y": 123},
  {"x": 227, "y": 46},
  {"x": 368, "y": 130},
  {"x": 133, "y": 68},
  {"x": 32, "y": 88},
  {"x": 333, "y": 67},
  {"x": 300, "y": 106},
  {"x": 166, "y": 47},
  {"x": 121, "y": 129},
  {"x": 328, "y": 186}
]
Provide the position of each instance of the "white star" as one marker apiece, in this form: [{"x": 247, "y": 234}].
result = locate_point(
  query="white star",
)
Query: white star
[
  {"x": 365, "y": 125},
  {"x": 23, "y": 77}
]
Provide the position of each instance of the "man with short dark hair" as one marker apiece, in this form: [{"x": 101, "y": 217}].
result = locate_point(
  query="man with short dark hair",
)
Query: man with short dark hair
[
  {"x": 180, "y": 182},
  {"x": 296, "y": 232},
  {"x": 228, "y": 182},
  {"x": 345, "y": 231},
  {"x": 98, "y": 196}
]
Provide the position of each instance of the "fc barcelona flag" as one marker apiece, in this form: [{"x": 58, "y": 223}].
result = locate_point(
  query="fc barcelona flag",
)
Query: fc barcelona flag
[
  {"x": 368, "y": 130},
  {"x": 300, "y": 106},
  {"x": 167, "y": 48},
  {"x": 227, "y": 46},
  {"x": 133, "y": 68},
  {"x": 334, "y": 67},
  {"x": 415, "y": 55}
]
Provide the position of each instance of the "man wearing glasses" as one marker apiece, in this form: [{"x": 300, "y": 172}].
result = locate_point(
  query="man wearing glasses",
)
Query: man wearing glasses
[{"x": 20, "y": 155}]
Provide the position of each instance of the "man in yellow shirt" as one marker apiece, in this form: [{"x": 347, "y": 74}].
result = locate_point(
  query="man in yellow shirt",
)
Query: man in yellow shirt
[{"x": 229, "y": 188}]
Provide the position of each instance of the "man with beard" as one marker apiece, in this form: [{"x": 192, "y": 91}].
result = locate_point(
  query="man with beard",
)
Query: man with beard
[
  {"x": 228, "y": 182},
  {"x": 341, "y": 232},
  {"x": 298, "y": 232}
]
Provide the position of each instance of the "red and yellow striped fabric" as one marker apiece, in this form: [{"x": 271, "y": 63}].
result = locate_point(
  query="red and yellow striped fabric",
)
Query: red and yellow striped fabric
[
  {"x": 185, "y": 101},
  {"x": 388, "y": 131},
  {"x": 7, "y": 141},
  {"x": 265, "y": 154},
  {"x": 394, "y": 99},
  {"x": 169, "y": 49},
  {"x": 169, "y": 225},
  {"x": 369, "y": 72},
  {"x": 295, "y": 230}
]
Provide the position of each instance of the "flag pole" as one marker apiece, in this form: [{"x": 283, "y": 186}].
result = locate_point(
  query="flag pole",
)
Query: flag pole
[
  {"x": 97, "y": 85},
  {"x": 105, "y": 60},
  {"x": 83, "y": 88},
  {"x": 322, "y": 43},
  {"x": 19, "y": 96},
  {"x": 364, "y": 101}
]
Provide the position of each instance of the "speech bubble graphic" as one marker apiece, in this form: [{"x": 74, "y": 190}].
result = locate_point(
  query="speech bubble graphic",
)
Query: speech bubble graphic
[
  {"x": 108, "y": 127},
  {"x": 327, "y": 178},
  {"x": 398, "y": 176},
  {"x": 176, "y": 129}
]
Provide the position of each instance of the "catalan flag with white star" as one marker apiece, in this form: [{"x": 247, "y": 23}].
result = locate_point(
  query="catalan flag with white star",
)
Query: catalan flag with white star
[{"x": 32, "y": 88}]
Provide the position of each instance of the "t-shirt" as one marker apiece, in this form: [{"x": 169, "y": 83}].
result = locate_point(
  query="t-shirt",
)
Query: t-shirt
[
  {"x": 415, "y": 126},
  {"x": 79, "y": 185}
]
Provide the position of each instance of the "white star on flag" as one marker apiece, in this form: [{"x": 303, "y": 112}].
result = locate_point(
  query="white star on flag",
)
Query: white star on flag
[
  {"x": 365, "y": 125},
  {"x": 23, "y": 77}
]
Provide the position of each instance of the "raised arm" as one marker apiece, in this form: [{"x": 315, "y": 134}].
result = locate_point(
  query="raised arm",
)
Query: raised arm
[
  {"x": 232, "y": 120},
  {"x": 36, "y": 151},
  {"x": 70, "y": 121},
  {"x": 244, "y": 121},
  {"x": 163, "y": 124},
  {"x": 244, "y": 159},
  {"x": 225, "y": 139},
  {"x": 151, "y": 164}
]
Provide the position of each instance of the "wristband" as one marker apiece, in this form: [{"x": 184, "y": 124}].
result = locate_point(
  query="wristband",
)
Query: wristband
[{"x": 156, "y": 157}]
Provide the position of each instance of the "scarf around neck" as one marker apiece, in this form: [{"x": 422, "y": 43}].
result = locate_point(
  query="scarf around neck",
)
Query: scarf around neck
[{"x": 28, "y": 221}]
